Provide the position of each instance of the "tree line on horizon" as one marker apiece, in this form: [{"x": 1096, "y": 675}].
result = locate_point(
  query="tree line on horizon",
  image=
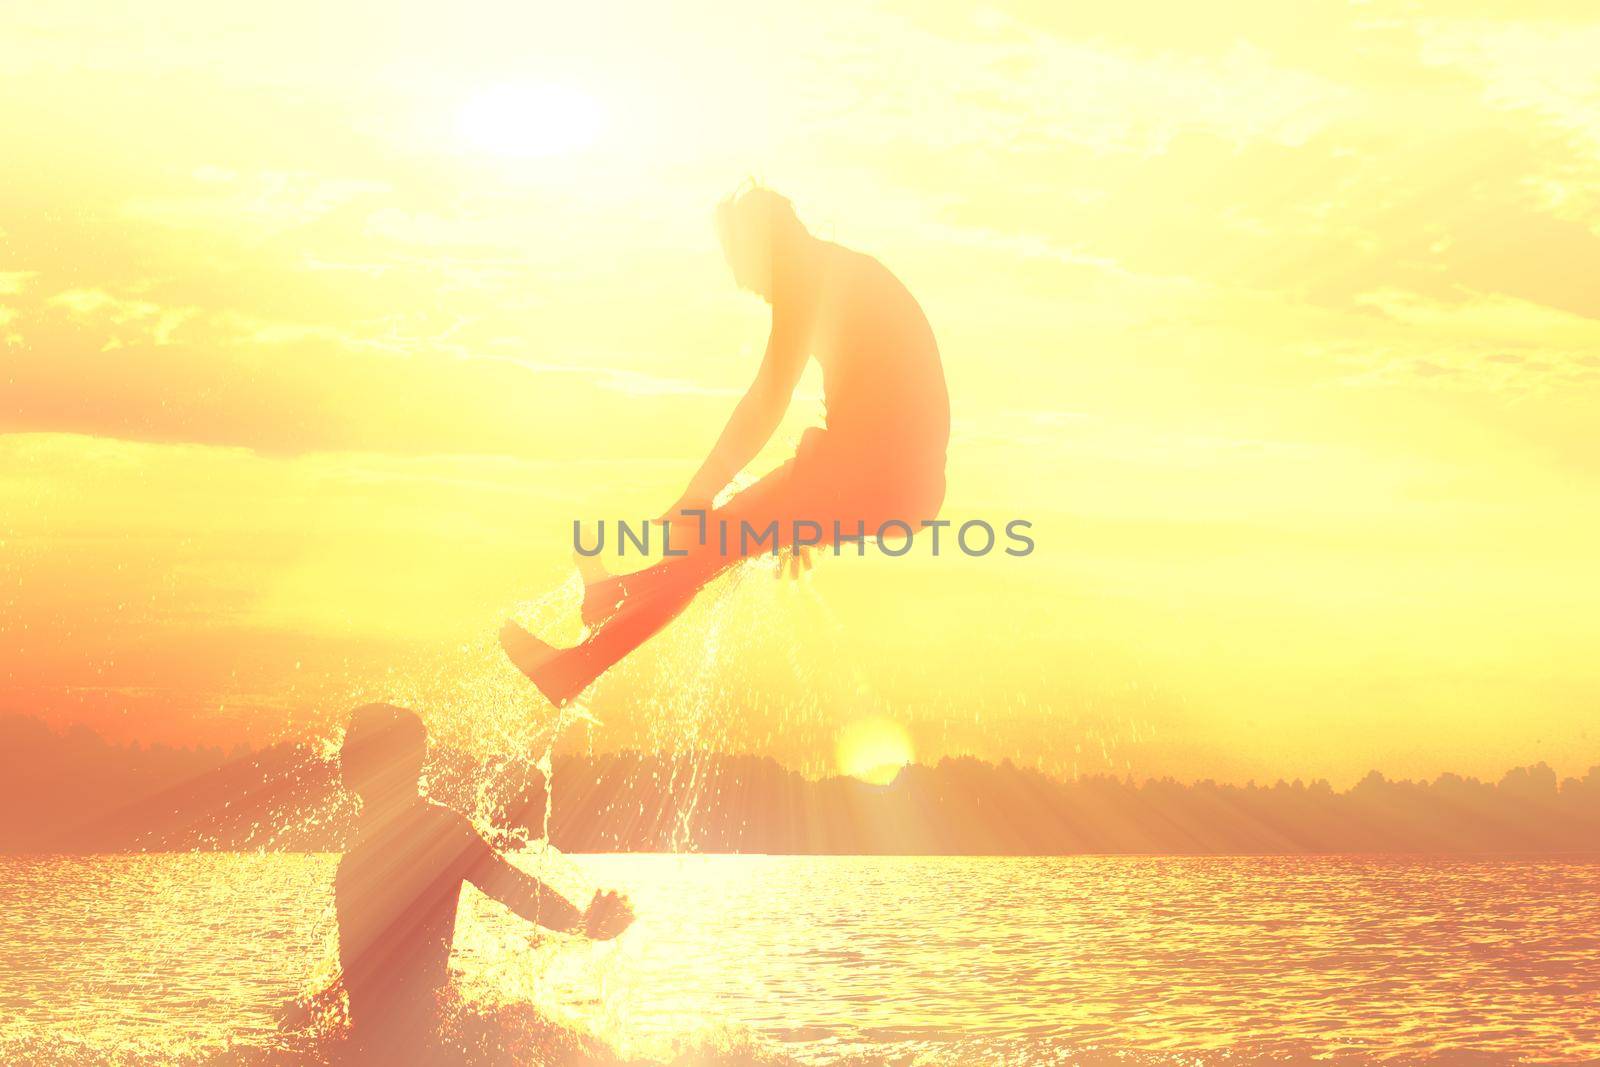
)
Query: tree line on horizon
[{"x": 74, "y": 792}]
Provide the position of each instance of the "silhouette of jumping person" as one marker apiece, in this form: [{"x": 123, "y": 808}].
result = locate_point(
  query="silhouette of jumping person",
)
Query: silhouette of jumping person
[
  {"x": 879, "y": 457},
  {"x": 398, "y": 885}
]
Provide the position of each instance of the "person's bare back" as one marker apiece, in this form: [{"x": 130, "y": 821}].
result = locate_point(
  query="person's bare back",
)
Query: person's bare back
[{"x": 883, "y": 383}]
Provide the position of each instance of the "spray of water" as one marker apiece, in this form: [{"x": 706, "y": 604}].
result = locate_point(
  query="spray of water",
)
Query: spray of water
[{"x": 474, "y": 701}]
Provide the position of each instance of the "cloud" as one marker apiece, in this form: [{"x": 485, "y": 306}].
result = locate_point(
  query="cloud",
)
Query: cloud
[
  {"x": 1486, "y": 342},
  {"x": 133, "y": 370},
  {"x": 14, "y": 281},
  {"x": 1543, "y": 68}
]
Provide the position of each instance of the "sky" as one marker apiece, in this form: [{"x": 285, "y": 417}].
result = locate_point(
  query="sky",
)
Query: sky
[{"x": 319, "y": 328}]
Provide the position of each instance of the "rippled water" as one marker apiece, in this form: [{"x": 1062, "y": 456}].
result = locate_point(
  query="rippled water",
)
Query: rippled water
[{"x": 937, "y": 960}]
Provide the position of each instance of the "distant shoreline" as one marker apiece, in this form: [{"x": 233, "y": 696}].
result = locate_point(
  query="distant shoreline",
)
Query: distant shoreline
[{"x": 76, "y": 794}]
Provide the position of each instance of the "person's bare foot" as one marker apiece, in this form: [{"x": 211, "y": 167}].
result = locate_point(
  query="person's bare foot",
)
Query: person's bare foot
[{"x": 541, "y": 662}]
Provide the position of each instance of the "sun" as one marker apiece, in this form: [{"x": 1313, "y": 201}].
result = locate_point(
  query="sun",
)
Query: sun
[
  {"x": 873, "y": 750},
  {"x": 527, "y": 121}
]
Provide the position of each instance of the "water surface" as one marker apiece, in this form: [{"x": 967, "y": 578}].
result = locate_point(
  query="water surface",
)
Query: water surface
[{"x": 931, "y": 960}]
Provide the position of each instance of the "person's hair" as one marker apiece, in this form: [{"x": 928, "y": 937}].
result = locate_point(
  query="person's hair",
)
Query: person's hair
[
  {"x": 753, "y": 219},
  {"x": 383, "y": 749}
]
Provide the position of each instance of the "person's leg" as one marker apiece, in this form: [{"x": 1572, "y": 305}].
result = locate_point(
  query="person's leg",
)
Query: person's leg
[
  {"x": 831, "y": 480},
  {"x": 647, "y": 600},
  {"x": 604, "y": 594},
  {"x": 767, "y": 501}
]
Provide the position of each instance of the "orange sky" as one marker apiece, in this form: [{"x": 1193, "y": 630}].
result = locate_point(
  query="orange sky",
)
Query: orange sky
[{"x": 1278, "y": 321}]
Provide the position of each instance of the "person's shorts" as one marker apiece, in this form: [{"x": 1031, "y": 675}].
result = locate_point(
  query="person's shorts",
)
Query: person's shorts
[{"x": 839, "y": 483}]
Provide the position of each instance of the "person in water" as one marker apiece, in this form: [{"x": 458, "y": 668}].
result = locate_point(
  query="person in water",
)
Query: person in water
[
  {"x": 397, "y": 888},
  {"x": 880, "y": 456}
]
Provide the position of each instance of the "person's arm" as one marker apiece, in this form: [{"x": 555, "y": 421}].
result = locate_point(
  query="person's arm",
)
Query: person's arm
[
  {"x": 607, "y": 916},
  {"x": 523, "y": 893},
  {"x": 757, "y": 415}
]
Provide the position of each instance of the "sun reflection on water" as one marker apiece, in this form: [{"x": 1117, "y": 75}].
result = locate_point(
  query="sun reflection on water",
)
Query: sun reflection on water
[{"x": 932, "y": 960}]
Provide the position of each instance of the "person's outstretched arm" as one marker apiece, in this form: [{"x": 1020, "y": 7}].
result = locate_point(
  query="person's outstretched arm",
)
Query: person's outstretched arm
[
  {"x": 607, "y": 915},
  {"x": 757, "y": 415}
]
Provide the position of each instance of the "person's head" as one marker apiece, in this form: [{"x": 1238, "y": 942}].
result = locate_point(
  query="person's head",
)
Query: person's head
[
  {"x": 381, "y": 758},
  {"x": 757, "y": 228}
]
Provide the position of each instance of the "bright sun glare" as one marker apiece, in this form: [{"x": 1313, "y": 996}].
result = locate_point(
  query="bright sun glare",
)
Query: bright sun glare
[
  {"x": 873, "y": 750},
  {"x": 530, "y": 120}
]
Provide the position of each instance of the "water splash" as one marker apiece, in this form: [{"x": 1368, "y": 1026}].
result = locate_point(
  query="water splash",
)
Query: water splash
[{"x": 474, "y": 701}]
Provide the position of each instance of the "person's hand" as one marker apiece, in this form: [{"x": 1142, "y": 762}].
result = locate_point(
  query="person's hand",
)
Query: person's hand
[
  {"x": 690, "y": 501},
  {"x": 676, "y": 516},
  {"x": 793, "y": 560},
  {"x": 607, "y": 916}
]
